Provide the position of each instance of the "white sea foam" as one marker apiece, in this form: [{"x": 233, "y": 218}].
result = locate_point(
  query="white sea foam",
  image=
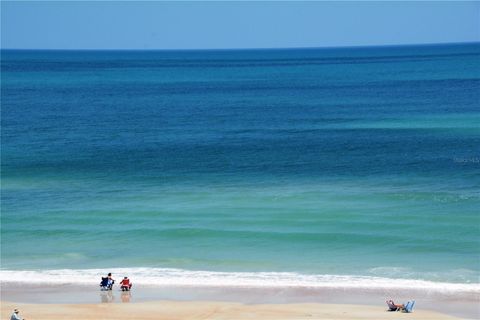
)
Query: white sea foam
[{"x": 178, "y": 277}]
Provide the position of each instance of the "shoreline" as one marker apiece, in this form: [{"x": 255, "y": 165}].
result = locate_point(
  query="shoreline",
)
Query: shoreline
[
  {"x": 263, "y": 279},
  {"x": 459, "y": 306},
  {"x": 212, "y": 310}
]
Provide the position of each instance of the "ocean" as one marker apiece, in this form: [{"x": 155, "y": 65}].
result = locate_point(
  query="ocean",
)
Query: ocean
[{"x": 287, "y": 167}]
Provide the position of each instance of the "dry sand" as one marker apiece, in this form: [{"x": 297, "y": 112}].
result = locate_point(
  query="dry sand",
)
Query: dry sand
[{"x": 163, "y": 310}]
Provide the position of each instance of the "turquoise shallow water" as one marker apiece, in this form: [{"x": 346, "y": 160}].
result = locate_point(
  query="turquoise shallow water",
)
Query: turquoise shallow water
[{"x": 350, "y": 162}]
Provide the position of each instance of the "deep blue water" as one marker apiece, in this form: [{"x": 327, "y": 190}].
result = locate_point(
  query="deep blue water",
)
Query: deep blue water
[{"x": 353, "y": 161}]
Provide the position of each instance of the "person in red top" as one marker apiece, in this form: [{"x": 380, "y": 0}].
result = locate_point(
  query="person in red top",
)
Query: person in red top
[{"x": 125, "y": 284}]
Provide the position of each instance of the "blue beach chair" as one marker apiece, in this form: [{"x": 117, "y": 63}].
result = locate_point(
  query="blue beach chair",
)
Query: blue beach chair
[
  {"x": 104, "y": 285},
  {"x": 409, "y": 306}
]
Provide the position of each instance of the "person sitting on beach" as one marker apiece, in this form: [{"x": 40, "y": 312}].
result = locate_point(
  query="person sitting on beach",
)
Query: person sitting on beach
[
  {"x": 15, "y": 315},
  {"x": 111, "y": 281},
  {"x": 394, "y": 307},
  {"x": 125, "y": 284}
]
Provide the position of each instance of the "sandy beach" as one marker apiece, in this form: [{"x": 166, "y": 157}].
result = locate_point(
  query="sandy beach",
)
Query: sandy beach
[
  {"x": 71, "y": 301},
  {"x": 209, "y": 310}
]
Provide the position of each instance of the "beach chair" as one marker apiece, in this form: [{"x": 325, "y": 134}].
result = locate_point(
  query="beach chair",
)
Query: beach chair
[
  {"x": 409, "y": 306},
  {"x": 104, "y": 285},
  {"x": 125, "y": 284},
  {"x": 391, "y": 306}
]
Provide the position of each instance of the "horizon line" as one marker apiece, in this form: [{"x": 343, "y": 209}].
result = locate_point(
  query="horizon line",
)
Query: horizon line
[{"x": 246, "y": 48}]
